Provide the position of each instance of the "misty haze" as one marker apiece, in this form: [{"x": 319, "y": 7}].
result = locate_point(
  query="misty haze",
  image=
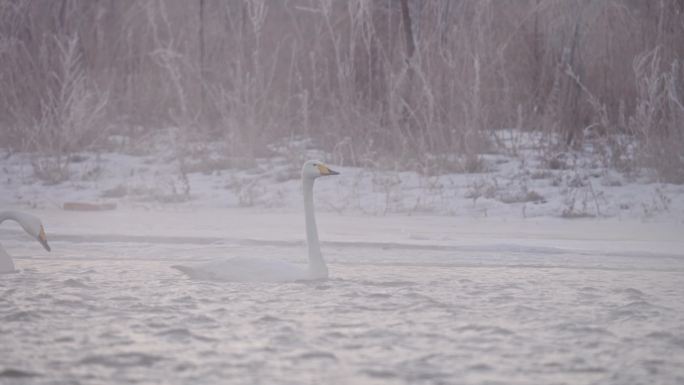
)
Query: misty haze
[{"x": 341, "y": 192}]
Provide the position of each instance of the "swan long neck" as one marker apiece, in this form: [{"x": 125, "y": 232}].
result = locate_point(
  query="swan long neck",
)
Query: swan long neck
[
  {"x": 22, "y": 219},
  {"x": 317, "y": 266},
  {"x": 12, "y": 215}
]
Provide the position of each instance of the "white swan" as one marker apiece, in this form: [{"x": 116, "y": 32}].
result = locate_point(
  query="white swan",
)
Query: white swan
[
  {"x": 31, "y": 225},
  {"x": 261, "y": 270}
]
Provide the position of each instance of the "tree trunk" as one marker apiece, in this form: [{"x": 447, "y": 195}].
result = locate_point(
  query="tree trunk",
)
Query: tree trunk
[{"x": 201, "y": 59}]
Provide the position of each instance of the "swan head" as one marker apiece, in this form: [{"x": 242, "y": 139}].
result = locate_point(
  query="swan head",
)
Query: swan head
[
  {"x": 34, "y": 227},
  {"x": 313, "y": 169}
]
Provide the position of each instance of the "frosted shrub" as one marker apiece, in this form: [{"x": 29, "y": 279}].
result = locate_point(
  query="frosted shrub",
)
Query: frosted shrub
[
  {"x": 658, "y": 120},
  {"x": 71, "y": 115}
]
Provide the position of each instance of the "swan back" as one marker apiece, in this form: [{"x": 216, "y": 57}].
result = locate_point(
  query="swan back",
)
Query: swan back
[{"x": 242, "y": 269}]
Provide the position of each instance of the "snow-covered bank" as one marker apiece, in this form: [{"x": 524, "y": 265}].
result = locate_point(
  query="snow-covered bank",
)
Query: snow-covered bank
[{"x": 520, "y": 181}]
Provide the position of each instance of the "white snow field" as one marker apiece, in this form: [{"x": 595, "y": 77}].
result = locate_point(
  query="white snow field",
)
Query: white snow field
[{"x": 411, "y": 300}]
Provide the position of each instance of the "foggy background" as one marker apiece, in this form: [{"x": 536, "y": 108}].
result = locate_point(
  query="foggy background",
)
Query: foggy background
[{"x": 404, "y": 84}]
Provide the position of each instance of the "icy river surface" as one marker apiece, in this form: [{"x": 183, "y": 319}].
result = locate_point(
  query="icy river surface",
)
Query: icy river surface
[{"x": 423, "y": 300}]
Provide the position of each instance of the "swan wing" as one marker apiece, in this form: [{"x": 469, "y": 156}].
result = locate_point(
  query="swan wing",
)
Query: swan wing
[{"x": 245, "y": 270}]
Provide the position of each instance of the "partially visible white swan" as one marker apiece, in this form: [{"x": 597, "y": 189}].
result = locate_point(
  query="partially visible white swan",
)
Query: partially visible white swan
[
  {"x": 262, "y": 270},
  {"x": 31, "y": 225}
]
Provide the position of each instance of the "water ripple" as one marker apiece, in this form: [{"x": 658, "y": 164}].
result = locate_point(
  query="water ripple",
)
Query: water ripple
[
  {"x": 109, "y": 322},
  {"x": 121, "y": 360},
  {"x": 16, "y": 373},
  {"x": 183, "y": 334}
]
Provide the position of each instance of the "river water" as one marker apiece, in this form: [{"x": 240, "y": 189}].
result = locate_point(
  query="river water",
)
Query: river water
[{"x": 107, "y": 309}]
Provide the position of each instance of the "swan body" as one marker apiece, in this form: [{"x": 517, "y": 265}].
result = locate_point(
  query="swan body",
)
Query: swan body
[
  {"x": 244, "y": 269},
  {"x": 266, "y": 270},
  {"x": 32, "y": 225}
]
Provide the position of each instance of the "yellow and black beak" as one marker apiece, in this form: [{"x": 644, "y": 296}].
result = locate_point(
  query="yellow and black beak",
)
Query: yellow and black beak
[
  {"x": 325, "y": 171},
  {"x": 43, "y": 239}
]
